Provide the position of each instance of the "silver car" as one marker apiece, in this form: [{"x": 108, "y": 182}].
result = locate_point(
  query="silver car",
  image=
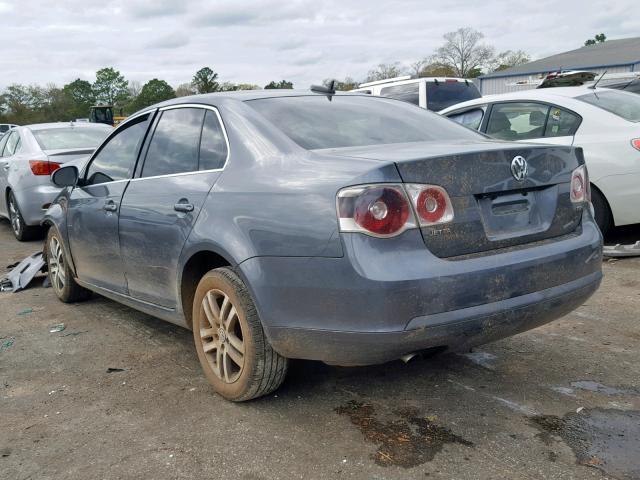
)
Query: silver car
[{"x": 28, "y": 155}]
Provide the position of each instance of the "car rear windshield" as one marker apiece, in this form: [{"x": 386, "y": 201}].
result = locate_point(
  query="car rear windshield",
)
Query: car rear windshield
[
  {"x": 317, "y": 122},
  {"x": 444, "y": 94},
  {"x": 71, "y": 137},
  {"x": 622, "y": 104}
]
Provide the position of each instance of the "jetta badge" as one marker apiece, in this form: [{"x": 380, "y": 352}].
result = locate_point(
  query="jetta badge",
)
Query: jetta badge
[{"x": 519, "y": 168}]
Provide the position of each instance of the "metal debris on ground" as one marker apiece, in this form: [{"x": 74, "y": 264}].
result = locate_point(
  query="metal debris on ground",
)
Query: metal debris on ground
[
  {"x": 25, "y": 311},
  {"x": 57, "y": 328},
  {"x": 113, "y": 370},
  {"x": 6, "y": 343},
  {"x": 619, "y": 250},
  {"x": 23, "y": 273}
]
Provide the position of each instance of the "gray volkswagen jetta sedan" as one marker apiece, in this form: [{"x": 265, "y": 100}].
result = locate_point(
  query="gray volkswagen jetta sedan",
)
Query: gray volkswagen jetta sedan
[{"x": 337, "y": 227}]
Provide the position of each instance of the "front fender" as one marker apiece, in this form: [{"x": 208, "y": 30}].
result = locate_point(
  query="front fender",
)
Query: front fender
[{"x": 56, "y": 217}]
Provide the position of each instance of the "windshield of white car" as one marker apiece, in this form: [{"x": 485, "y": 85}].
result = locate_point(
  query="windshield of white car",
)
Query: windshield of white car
[
  {"x": 622, "y": 104},
  {"x": 319, "y": 121},
  {"x": 70, "y": 138}
]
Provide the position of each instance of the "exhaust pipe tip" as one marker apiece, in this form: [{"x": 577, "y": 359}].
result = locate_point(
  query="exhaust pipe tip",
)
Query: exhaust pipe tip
[{"x": 407, "y": 358}]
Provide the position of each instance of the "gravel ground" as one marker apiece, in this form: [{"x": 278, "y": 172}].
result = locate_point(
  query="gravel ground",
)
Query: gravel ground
[{"x": 119, "y": 394}]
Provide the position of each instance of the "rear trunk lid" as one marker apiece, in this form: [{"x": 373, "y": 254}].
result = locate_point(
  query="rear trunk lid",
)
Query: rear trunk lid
[{"x": 492, "y": 209}]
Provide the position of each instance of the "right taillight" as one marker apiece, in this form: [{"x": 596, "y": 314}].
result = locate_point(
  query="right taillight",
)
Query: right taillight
[
  {"x": 635, "y": 143},
  {"x": 386, "y": 210},
  {"x": 580, "y": 188},
  {"x": 432, "y": 204}
]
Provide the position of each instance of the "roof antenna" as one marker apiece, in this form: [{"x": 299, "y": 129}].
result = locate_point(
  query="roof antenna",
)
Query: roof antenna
[
  {"x": 593, "y": 87},
  {"x": 328, "y": 89}
]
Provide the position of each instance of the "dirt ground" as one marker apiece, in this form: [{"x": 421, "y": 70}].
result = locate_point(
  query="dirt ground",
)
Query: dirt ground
[{"x": 119, "y": 394}]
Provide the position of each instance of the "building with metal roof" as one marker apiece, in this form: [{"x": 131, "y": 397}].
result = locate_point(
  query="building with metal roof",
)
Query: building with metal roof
[{"x": 612, "y": 56}]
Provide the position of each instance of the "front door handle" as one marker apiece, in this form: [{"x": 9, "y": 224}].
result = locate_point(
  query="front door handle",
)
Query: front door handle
[
  {"x": 110, "y": 206},
  {"x": 183, "y": 207},
  {"x": 6, "y": 167}
]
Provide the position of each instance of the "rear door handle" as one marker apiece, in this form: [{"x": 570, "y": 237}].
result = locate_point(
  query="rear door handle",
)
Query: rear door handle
[
  {"x": 183, "y": 207},
  {"x": 6, "y": 166},
  {"x": 110, "y": 206}
]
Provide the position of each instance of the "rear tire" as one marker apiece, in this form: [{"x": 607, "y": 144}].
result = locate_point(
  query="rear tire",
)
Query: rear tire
[
  {"x": 603, "y": 216},
  {"x": 21, "y": 230},
  {"x": 60, "y": 275},
  {"x": 232, "y": 348}
]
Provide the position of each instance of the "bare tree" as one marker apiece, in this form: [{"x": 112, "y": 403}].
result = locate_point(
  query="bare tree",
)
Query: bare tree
[
  {"x": 134, "y": 88},
  {"x": 384, "y": 71},
  {"x": 184, "y": 90},
  {"x": 463, "y": 52},
  {"x": 508, "y": 59},
  {"x": 418, "y": 66}
]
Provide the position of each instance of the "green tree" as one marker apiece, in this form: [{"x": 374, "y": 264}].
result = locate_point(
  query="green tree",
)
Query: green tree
[
  {"x": 463, "y": 52},
  {"x": 154, "y": 91},
  {"x": 600, "y": 38},
  {"x": 110, "y": 87},
  {"x": 81, "y": 97},
  {"x": 205, "y": 81},
  {"x": 437, "y": 70},
  {"x": 279, "y": 85}
]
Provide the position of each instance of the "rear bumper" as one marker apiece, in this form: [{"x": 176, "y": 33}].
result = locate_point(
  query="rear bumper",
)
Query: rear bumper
[
  {"x": 457, "y": 330},
  {"x": 32, "y": 200},
  {"x": 389, "y": 297}
]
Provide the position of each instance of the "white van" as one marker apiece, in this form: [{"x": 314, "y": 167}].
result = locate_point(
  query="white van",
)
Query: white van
[{"x": 432, "y": 93}]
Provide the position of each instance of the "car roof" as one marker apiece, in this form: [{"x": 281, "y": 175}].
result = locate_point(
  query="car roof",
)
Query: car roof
[
  {"x": 48, "y": 126},
  {"x": 553, "y": 94}
]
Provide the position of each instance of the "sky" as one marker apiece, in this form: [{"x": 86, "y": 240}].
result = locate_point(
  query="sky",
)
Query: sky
[{"x": 256, "y": 41}]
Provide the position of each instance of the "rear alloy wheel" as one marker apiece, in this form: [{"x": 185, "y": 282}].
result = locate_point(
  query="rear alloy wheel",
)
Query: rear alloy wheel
[
  {"x": 60, "y": 275},
  {"x": 601, "y": 210},
  {"x": 22, "y": 231},
  {"x": 232, "y": 348}
]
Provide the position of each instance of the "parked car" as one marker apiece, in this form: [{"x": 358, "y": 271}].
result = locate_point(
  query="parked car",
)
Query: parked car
[
  {"x": 5, "y": 127},
  {"x": 432, "y": 93},
  {"x": 604, "y": 122},
  {"x": 344, "y": 228},
  {"x": 28, "y": 155}
]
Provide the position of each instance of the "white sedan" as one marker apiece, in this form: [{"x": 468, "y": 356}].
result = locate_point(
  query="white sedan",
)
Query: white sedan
[{"x": 604, "y": 122}]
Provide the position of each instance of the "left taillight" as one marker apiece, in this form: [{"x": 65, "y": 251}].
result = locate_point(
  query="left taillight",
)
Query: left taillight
[
  {"x": 580, "y": 188},
  {"x": 43, "y": 167},
  {"x": 635, "y": 143}
]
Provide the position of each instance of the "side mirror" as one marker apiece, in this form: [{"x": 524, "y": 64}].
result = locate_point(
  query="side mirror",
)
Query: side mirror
[{"x": 65, "y": 176}]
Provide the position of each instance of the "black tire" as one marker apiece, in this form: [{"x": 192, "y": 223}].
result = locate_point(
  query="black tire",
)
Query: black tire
[
  {"x": 22, "y": 231},
  {"x": 603, "y": 216},
  {"x": 65, "y": 286},
  {"x": 263, "y": 370}
]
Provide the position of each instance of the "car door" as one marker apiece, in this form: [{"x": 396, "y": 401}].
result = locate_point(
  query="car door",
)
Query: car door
[
  {"x": 9, "y": 146},
  {"x": 533, "y": 122},
  {"x": 186, "y": 153},
  {"x": 92, "y": 218}
]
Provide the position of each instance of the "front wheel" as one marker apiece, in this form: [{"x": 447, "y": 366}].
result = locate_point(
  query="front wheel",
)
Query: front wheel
[
  {"x": 60, "y": 275},
  {"x": 232, "y": 348}
]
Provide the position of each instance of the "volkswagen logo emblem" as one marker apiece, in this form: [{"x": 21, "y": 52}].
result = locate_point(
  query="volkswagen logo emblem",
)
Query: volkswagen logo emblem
[{"x": 519, "y": 168}]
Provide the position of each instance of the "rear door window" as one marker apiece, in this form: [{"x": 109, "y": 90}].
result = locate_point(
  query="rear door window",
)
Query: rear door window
[
  {"x": 561, "y": 123},
  {"x": 409, "y": 92},
  {"x": 175, "y": 143},
  {"x": 517, "y": 121},
  {"x": 469, "y": 118},
  {"x": 117, "y": 158},
  {"x": 13, "y": 145},
  {"x": 213, "y": 145}
]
